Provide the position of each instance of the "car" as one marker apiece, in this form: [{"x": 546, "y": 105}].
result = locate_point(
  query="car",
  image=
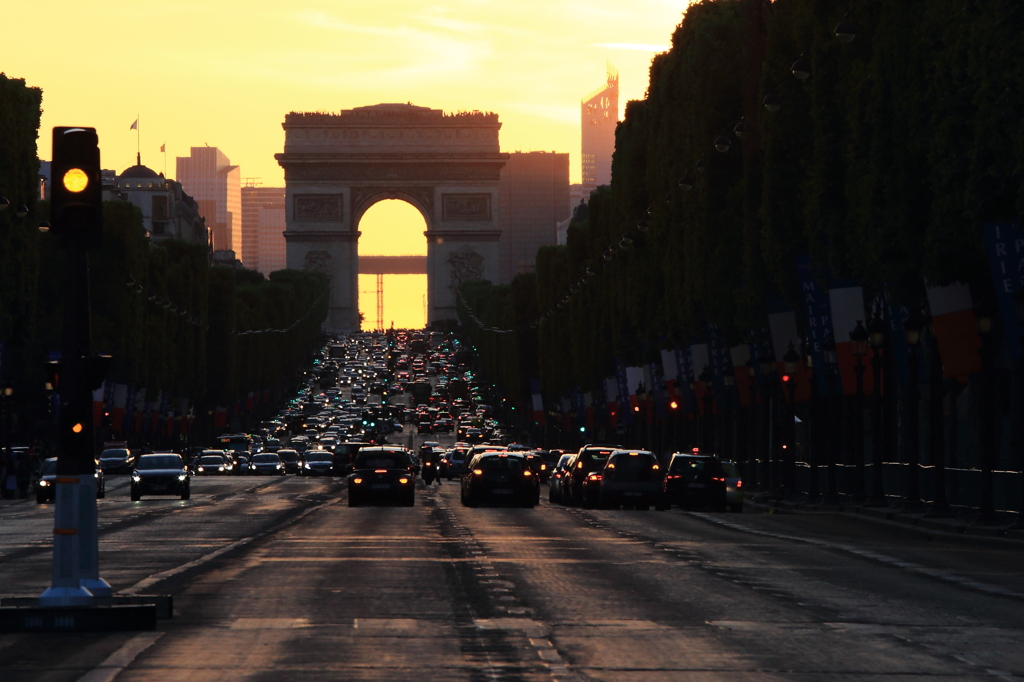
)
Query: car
[
  {"x": 694, "y": 480},
  {"x": 499, "y": 477},
  {"x": 424, "y": 427},
  {"x": 212, "y": 462},
  {"x": 452, "y": 463},
  {"x": 290, "y": 459},
  {"x": 733, "y": 487},
  {"x": 630, "y": 479},
  {"x": 46, "y": 485},
  {"x": 244, "y": 465},
  {"x": 267, "y": 464},
  {"x": 589, "y": 459},
  {"x": 117, "y": 461},
  {"x": 382, "y": 474},
  {"x": 317, "y": 463},
  {"x": 555, "y": 480},
  {"x": 163, "y": 474}
]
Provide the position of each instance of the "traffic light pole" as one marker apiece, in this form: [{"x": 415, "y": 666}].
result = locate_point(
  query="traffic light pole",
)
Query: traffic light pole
[{"x": 76, "y": 578}]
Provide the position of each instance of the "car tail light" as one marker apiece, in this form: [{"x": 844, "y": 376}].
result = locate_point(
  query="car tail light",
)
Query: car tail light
[
  {"x": 357, "y": 480},
  {"x": 673, "y": 476},
  {"x": 717, "y": 478},
  {"x": 655, "y": 467},
  {"x": 594, "y": 477},
  {"x": 478, "y": 472},
  {"x": 380, "y": 471},
  {"x": 611, "y": 466},
  {"x": 527, "y": 473},
  {"x": 579, "y": 465},
  {"x": 739, "y": 484},
  {"x": 403, "y": 480}
]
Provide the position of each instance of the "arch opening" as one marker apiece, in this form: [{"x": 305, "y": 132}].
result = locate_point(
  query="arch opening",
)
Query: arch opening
[{"x": 392, "y": 250}]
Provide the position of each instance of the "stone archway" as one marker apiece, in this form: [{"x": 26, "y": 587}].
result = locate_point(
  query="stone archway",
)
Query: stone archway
[{"x": 338, "y": 165}]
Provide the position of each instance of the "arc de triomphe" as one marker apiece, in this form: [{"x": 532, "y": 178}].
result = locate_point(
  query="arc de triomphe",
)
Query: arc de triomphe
[{"x": 338, "y": 165}]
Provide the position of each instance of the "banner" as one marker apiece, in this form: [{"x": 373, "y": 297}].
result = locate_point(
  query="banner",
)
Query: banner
[
  {"x": 120, "y": 402},
  {"x": 700, "y": 360},
  {"x": 623, "y": 392},
  {"x": 817, "y": 312},
  {"x": 537, "y": 402},
  {"x": 721, "y": 365},
  {"x": 97, "y": 406},
  {"x": 1004, "y": 243},
  {"x": 740, "y": 355},
  {"x": 684, "y": 366},
  {"x": 956, "y": 330}
]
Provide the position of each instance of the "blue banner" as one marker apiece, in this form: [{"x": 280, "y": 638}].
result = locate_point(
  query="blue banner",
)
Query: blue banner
[
  {"x": 895, "y": 316},
  {"x": 1004, "y": 243},
  {"x": 721, "y": 365},
  {"x": 684, "y": 365},
  {"x": 817, "y": 312}
]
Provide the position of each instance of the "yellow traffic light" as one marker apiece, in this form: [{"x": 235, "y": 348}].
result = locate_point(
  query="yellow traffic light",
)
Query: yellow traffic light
[{"x": 76, "y": 180}]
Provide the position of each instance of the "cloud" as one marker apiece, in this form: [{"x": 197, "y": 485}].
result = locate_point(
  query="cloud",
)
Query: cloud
[{"x": 638, "y": 47}]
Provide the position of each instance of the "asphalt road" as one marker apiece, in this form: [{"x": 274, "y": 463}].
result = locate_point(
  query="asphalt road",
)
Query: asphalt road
[{"x": 277, "y": 579}]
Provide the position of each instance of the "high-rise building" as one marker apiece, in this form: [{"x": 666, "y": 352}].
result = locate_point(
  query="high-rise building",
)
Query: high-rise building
[
  {"x": 599, "y": 114},
  {"x": 533, "y": 197},
  {"x": 263, "y": 226},
  {"x": 208, "y": 176}
]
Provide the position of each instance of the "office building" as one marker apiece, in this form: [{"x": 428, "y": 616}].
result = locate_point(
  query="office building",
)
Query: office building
[
  {"x": 533, "y": 197},
  {"x": 262, "y": 229},
  {"x": 208, "y": 176},
  {"x": 599, "y": 114}
]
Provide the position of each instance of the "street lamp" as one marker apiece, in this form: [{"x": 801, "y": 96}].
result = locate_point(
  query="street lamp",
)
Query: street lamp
[
  {"x": 828, "y": 346},
  {"x": 751, "y": 472},
  {"x": 859, "y": 348},
  {"x": 722, "y": 144},
  {"x": 812, "y": 427},
  {"x": 912, "y": 327},
  {"x": 768, "y": 370},
  {"x": 986, "y": 511},
  {"x": 772, "y": 102},
  {"x": 791, "y": 362},
  {"x": 876, "y": 338}
]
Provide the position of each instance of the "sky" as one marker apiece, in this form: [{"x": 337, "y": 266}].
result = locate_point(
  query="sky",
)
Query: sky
[{"x": 225, "y": 72}]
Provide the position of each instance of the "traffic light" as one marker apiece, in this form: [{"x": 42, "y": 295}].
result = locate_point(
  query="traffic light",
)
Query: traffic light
[{"x": 76, "y": 197}]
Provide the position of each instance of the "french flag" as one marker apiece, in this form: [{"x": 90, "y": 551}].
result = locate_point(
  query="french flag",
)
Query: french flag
[
  {"x": 847, "y": 305},
  {"x": 956, "y": 330}
]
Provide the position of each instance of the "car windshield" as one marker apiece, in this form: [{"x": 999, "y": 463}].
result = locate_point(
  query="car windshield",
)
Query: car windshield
[
  {"x": 114, "y": 454},
  {"x": 597, "y": 455},
  {"x": 631, "y": 467},
  {"x": 501, "y": 464},
  {"x": 212, "y": 460},
  {"x": 159, "y": 462},
  {"x": 380, "y": 460},
  {"x": 288, "y": 455},
  {"x": 49, "y": 468},
  {"x": 701, "y": 465},
  {"x": 266, "y": 459},
  {"x": 318, "y": 456}
]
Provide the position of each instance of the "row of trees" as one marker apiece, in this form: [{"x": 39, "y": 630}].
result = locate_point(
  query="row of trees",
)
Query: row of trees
[{"x": 199, "y": 349}]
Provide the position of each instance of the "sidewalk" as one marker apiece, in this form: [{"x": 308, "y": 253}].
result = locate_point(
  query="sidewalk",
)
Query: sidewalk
[
  {"x": 959, "y": 522},
  {"x": 12, "y": 502}
]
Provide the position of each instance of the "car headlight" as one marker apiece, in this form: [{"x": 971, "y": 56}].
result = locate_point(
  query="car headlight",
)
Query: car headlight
[
  {"x": 220, "y": 468},
  {"x": 200, "y": 468},
  {"x": 44, "y": 483},
  {"x": 135, "y": 476},
  {"x": 306, "y": 465},
  {"x": 280, "y": 466},
  {"x": 182, "y": 477}
]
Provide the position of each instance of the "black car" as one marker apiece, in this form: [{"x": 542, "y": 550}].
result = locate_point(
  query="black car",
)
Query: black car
[
  {"x": 267, "y": 463},
  {"x": 382, "y": 474},
  {"x": 212, "y": 462},
  {"x": 589, "y": 459},
  {"x": 290, "y": 459},
  {"x": 116, "y": 461},
  {"x": 163, "y": 474},
  {"x": 695, "y": 481},
  {"x": 45, "y": 486},
  {"x": 500, "y": 477},
  {"x": 317, "y": 463}
]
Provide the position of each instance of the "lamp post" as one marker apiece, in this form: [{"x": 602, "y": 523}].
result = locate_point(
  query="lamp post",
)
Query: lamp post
[
  {"x": 940, "y": 505},
  {"x": 986, "y": 510},
  {"x": 1018, "y": 300},
  {"x": 814, "y": 410},
  {"x": 829, "y": 348},
  {"x": 708, "y": 444},
  {"x": 751, "y": 472},
  {"x": 876, "y": 338},
  {"x": 912, "y": 327},
  {"x": 6, "y": 392},
  {"x": 768, "y": 368},
  {"x": 641, "y": 412},
  {"x": 859, "y": 347},
  {"x": 728, "y": 436},
  {"x": 791, "y": 361}
]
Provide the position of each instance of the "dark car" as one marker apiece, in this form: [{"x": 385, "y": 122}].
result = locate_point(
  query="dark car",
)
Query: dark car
[
  {"x": 424, "y": 427},
  {"x": 630, "y": 479},
  {"x": 317, "y": 463},
  {"x": 589, "y": 459},
  {"x": 45, "y": 486},
  {"x": 163, "y": 474},
  {"x": 382, "y": 474},
  {"x": 499, "y": 477},
  {"x": 267, "y": 463},
  {"x": 345, "y": 454},
  {"x": 555, "y": 480},
  {"x": 117, "y": 461},
  {"x": 695, "y": 481},
  {"x": 212, "y": 462},
  {"x": 290, "y": 459}
]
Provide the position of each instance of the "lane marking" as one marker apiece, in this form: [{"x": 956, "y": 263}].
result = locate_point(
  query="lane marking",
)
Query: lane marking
[
  {"x": 115, "y": 664},
  {"x": 146, "y": 583},
  {"x": 938, "y": 573}
]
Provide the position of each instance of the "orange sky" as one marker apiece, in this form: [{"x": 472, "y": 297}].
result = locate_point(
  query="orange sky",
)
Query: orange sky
[{"x": 225, "y": 72}]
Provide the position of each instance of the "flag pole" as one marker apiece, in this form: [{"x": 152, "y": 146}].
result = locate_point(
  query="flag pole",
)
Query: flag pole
[{"x": 138, "y": 139}]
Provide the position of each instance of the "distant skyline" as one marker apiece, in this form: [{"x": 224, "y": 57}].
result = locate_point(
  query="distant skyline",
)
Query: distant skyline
[{"x": 225, "y": 73}]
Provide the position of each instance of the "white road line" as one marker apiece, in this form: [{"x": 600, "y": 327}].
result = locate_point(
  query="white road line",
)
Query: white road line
[
  {"x": 146, "y": 583},
  {"x": 122, "y": 658},
  {"x": 938, "y": 573}
]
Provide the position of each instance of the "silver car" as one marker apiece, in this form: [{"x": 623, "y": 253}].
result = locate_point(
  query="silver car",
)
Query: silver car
[{"x": 733, "y": 487}]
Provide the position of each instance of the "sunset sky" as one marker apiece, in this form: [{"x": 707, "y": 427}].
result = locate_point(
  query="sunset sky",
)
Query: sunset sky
[{"x": 225, "y": 72}]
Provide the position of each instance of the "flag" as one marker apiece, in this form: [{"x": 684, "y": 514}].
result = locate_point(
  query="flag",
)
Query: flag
[
  {"x": 955, "y": 329},
  {"x": 163, "y": 147},
  {"x": 135, "y": 126}
]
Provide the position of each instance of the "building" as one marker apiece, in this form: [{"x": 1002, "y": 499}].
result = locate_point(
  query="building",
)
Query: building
[
  {"x": 533, "y": 197},
  {"x": 208, "y": 175},
  {"x": 263, "y": 226},
  {"x": 599, "y": 114},
  {"x": 167, "y": 211}
]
